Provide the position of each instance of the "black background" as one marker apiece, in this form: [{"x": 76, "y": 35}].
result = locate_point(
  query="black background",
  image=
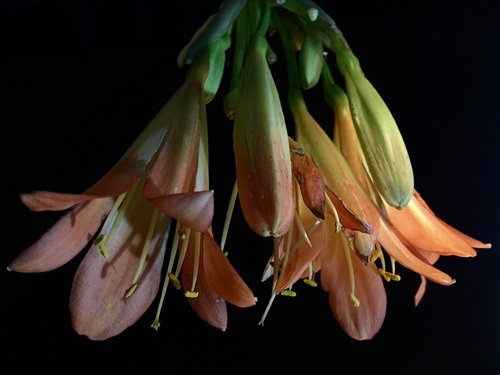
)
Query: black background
[{"x": 80, "y": 78}]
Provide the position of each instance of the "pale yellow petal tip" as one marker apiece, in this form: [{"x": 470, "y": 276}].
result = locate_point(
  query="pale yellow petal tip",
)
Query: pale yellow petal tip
[{"x": 8, "y": 269}]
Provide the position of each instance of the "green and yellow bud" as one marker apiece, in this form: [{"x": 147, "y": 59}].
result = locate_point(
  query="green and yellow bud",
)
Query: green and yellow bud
[
  {"x": 311, "y": 57},
  {"x": 262, "y": 154},
  {"x": 383, "y": 146}
]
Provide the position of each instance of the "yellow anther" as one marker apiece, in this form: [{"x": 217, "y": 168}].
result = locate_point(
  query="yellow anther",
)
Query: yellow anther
[
  {"x": 288, "y": 293},
  {"x": 130, "y": 290},
  {"x": 384, "y": 274},
  {"x": 174, "y": 280},
  {"x": 377, "y": 253},
  {"x": 354, "y": 300},
  {"x": 393, "y": 276},
  {"x": 100, "y": 242},
  {"x": 311, "y": 282},
  {"x": 155, "y": 325},
  {"x": 191, "y": 294}
]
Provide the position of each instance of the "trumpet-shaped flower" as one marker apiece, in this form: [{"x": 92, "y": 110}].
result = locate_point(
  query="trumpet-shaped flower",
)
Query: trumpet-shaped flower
[
  {"x": 413, "y": 236},
  {"x": 357, "y": 214},
  {"x": 262, "y": 155},
  {"x": 119, "y": 276}
]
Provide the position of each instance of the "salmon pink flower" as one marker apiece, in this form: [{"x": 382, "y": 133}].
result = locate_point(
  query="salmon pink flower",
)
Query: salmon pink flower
[
  {"x": 262, "y": 155},
  {"x": 119, "y": 277}
]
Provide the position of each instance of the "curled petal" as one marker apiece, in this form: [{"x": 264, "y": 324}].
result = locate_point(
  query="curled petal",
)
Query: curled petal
[
  {"x": 65, "y": 239},
  {"x": 399, "y": 251},
  {"x": 208, "y": 305},
  {"x": 431, "y": 258},
  {"x": 194, "y": 210},
  {"x": 420, "y": 291},
  {"x": 475, "y": 243},
  {"x": 223, "y": 278},
  {"x": 424, "y": 231},
  {"x": 309, "y": 179}
]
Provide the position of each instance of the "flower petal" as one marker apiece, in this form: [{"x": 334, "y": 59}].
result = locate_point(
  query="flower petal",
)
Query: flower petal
[
  {"x": 174, "y": 167},
  {"x": 194, "y": 210},
  {"x": 399, "y": 251},
  {"x": 98, "y": 307},
  {"x": 424, "y": 231},
  {"x": 431, "y": 258},
  {"x": 308, "y": 176},
  {"x": 300, "y": 259},
  {"x": 208, "y": 305},
  {"x": 222, "y": 277},
  {"x": 469, "y": 240},
  {"x": 262, "y": 154},
  {"x": 65, "y": 239},
  {"x": 348, "y": 197},
  {"x": 364, "y": 321}
]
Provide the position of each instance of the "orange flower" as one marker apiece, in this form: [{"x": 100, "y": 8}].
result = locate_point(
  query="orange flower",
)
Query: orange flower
[
  {"x": 357, "y": 214},
  {"x": 413, "y": 236}
]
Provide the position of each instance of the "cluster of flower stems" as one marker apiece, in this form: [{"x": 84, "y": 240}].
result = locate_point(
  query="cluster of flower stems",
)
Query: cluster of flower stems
[{"x": 338, "y": 202}]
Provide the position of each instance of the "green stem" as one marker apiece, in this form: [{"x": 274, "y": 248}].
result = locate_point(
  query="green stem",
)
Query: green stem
[{"x": 290, "y": 58}]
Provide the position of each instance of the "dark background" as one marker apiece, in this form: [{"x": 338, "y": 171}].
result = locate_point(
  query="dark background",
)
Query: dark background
[{"x": 79, "y": 79}]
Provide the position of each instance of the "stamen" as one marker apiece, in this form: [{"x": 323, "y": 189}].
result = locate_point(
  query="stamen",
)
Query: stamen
[
  {"x": 144, "y": 253},
  {"x": 288, "y": 293},
  {"x": 185, "y": 241},
  {"x": 191, "y": 294},
  {"x": 275, "y": 265},
  {"x": 350, "y": 269},
  {"x": 174, "y": 280},
  {"x": 384, "y": 274},
  {"x": 300, "y": 227},
  {"x": 266, "y": 311},
  {"x": 311, "y": 282},
  {"x": 196, "y": 263},
  {"x": 354, "y": 300},
  {"x": 113, "y": 219},
  {"x": 121, "y": 209},
  {"x": 309, "y": 231},
  {"x": 131, "y": 289},
  {"x": 393, "y": 265},
  {"x": 177, "y": 284},
  {"x": 338, "y": 225},
  {"x": 229, "y": 214},
  {"x": 377, "y": 253},
  {"x": 100, "y": 242},
  {"x": 310, "y": 279}
]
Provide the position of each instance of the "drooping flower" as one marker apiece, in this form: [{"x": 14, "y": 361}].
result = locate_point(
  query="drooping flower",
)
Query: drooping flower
[
  {"x": 413, "y": 236},
  {"x": 357, "y": 214},
  {"x": 262, "y": 155},
  {"x": 119, "y": 276}
]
